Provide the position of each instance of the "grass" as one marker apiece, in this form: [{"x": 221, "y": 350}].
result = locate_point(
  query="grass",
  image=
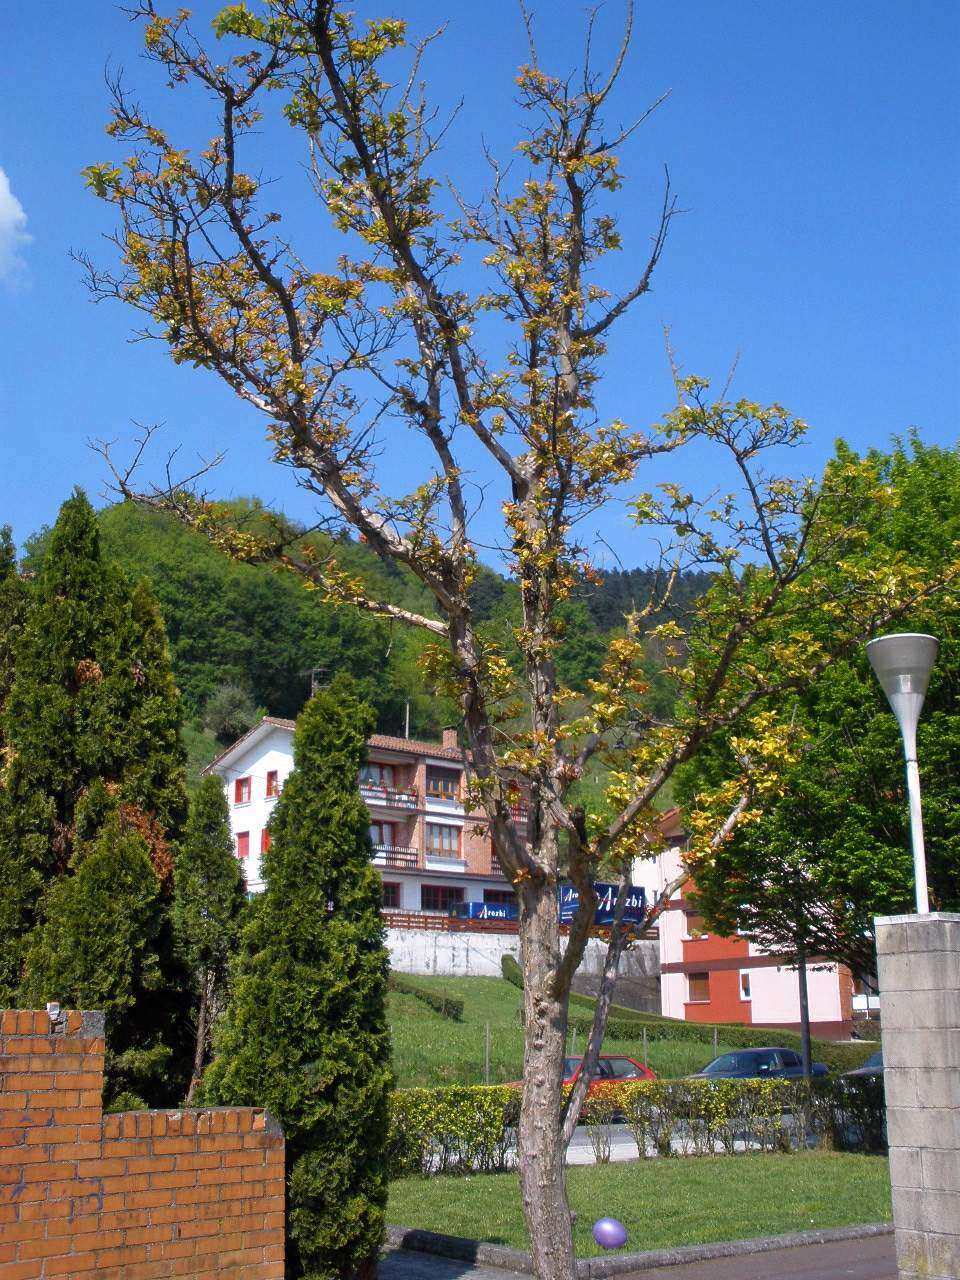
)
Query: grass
[
  {"x": 430, "y": 1050},
  {"x": 664, "y": 1203}
]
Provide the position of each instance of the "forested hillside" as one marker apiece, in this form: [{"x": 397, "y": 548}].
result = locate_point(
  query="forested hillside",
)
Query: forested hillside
[{"x": 243, "y": 638}]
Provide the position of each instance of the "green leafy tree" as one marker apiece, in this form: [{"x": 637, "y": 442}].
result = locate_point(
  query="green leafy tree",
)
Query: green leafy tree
[
  {"x": 481, "y": 339},
  {"x": 832, "y": 849},
  {"x": 99, "y": 948},
  {"x": 208, "y": 901},
  {"x": 305, "y": 1031},
  {"x": 230, "y": 712}
]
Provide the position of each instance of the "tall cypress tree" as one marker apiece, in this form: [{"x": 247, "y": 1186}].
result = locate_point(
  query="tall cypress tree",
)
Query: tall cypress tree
[
  {"x": 99, "y": 947},
  {"x": 305, "y": 1032},
  {"x": 92, "y": 735},
  {"x": 208, "y": 901},
  {"x": 18, "y": 888},
  {"x": 13, "y": 605}
]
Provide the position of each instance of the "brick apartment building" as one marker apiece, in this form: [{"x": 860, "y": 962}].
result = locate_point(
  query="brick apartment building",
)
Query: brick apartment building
[{"x": 430, "y": 850}]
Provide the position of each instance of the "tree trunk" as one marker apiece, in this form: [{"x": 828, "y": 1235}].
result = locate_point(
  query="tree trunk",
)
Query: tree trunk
[
  {"x": 805, "y": 1053},
  {"x": 200, "y": 1050},
  {"x": 542, "y": 1177}
]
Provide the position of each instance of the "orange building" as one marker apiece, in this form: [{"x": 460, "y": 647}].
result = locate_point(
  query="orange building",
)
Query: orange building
[{"x": 708, "y": 978}]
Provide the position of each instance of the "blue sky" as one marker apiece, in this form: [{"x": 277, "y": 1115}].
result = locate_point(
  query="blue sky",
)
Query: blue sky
[{"x": 815, "y": 148}]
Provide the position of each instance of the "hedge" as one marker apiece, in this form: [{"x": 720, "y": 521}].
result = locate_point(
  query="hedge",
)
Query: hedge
[
  {"x": 472, "y": 1128},
  {"x": 629, "y": 1024},
  {"x": 511, "y": 971},
  {"x": 436, "y": 998},
  {"x": 456, "y": 1129}
]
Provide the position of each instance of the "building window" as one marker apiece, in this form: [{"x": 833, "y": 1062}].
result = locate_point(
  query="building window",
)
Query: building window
[
  {"x": 243, "y": 845},
  {"x": 241, "y": 791},
  {"x": 439, "y": 897},
  {"x": 273, "y": 783},
  {"x": 391, "y": 895},
  {"x": 500, "y": 897},
  {"x": 694, "y": 926},
  {"x": 374, "y": 774},
  {"x": 698, "y": 988},
  {"x": 264, "y": 840},
  {"x": 744, "y": 984},
  {"x": 443, "y": 783},
  {"x": 443, "y": 840},
  {"x": 381, "y": 833}
]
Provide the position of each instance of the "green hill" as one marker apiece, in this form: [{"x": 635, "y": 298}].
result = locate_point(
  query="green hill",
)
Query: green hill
[{"x": 258, "y": 631}]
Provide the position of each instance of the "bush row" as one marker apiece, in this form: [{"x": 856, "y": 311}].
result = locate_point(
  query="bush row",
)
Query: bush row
[
  {"x": 436, "y": 998},
  {"x": 456, "y": 1129},
  {"x": 472, "y": 1128},
  {"x": 702, "y": 1117}
]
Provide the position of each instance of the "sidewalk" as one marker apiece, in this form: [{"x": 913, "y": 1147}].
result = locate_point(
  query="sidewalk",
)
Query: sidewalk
[{"x": 873, "y": 1258}]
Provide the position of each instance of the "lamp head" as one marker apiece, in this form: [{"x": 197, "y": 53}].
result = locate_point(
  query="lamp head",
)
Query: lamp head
[{"x": 902, "y": 663}]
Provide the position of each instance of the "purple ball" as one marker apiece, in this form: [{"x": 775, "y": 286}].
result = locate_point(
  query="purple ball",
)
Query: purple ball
[{"x": 609, "y": 1233}]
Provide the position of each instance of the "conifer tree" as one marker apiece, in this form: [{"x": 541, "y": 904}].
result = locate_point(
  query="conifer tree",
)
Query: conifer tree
[
  {"x": 17, "y": 886},
  {"x": 208, "y": 901},
  {"x": 98, "y": 947},
  {"x": 91, "y": 730},
  {"x": 305, "y": 1032},
  {"x": 13, "y": 605}
]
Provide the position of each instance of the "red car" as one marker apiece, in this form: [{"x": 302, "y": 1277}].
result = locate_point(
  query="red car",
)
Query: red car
[{"x": 609, "y": 1069}]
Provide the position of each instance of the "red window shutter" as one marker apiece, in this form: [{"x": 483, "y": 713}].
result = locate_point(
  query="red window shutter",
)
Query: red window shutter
[
  {"x": 238, "y": 791},
  {"x": 264, "y": 840},
  {"x": 243, "y": 845}
]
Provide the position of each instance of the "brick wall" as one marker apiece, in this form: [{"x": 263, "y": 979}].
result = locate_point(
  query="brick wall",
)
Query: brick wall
[{"x": 130, "y": 1196}]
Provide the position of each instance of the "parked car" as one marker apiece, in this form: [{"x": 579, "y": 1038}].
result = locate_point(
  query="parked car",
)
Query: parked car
[
  {"x": 757, "y": 1064},
  {"x": 873, "y": 1067},
  {"x": 609, "y": 1068}
]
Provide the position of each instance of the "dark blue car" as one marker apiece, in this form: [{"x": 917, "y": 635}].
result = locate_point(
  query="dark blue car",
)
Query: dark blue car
[{"x": 757, "y": 1064}]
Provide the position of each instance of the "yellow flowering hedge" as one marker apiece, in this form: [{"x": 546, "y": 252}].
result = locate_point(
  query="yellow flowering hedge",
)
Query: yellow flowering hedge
[{"x": 472, "y": 1128}]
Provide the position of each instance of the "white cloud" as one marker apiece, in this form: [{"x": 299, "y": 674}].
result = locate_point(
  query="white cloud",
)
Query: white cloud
[{"x": 13, "y": 233}]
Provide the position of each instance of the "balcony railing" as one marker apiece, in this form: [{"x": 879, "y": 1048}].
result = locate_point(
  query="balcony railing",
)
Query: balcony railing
[
  {"x": 388, "y": 796},
  {"x": 397, "y": 856}
]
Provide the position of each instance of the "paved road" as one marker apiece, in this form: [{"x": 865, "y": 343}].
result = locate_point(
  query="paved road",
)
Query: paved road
[
  {"x": 622, "y": 1145},
  {"x": 874, "y": 1258},
  {"x": 871, "y": 1259}
]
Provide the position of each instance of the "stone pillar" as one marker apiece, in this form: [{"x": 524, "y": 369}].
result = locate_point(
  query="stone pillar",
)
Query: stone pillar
[{"x": 918, "y": 964}]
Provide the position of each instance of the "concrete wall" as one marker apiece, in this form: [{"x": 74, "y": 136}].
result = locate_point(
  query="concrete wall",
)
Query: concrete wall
[
  {"x": 472, "y": 955},
  {"x": 452, "y": 955},
  {"x": 919, "y": 970},
  {"x": 638, "y": 982}
]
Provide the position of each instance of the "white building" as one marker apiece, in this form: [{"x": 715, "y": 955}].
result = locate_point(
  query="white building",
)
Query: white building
[{"x": 431, "y": 852}]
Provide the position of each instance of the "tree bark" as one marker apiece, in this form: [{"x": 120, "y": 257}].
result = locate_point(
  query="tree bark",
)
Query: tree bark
[
  {"x": 805, "y": 1053},
  {"x": 542, "y": 1176},
  {"x": 200, "y": 1049}
]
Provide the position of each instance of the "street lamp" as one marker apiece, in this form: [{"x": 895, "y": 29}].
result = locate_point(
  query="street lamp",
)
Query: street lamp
[{"x": 902, "y": 664}]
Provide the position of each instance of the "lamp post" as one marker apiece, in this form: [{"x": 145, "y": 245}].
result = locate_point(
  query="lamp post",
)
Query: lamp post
[{"x": 902, "y": 664}]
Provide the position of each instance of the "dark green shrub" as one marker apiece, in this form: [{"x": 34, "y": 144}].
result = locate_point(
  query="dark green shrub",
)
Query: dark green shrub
[
  {"x": 435, "y": 998},
  {"x": 512, "y": 972}
]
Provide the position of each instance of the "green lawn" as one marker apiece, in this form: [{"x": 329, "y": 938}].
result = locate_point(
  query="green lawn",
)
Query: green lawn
[
  {"x": 431, "y": 1050},
  {"x": 664, "y": 1203}
]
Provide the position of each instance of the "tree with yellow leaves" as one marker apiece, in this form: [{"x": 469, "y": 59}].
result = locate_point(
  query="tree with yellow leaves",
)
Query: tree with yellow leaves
[{"x": 392, "y": 340}]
